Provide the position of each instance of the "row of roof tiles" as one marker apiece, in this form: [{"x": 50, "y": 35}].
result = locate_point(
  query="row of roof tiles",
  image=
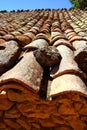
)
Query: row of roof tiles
[{"x": 36, "y": 29}]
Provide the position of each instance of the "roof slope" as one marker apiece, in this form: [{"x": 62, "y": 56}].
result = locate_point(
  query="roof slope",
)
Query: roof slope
[{"x": 43, "y": 70}]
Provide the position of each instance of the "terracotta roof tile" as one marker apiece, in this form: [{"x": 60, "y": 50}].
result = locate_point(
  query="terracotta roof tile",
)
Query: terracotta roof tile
[{"x": 43, "y": 70}]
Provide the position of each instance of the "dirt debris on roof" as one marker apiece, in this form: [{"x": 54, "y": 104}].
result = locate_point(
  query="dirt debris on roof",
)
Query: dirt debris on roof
[{"x": 43, "y": 70}]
